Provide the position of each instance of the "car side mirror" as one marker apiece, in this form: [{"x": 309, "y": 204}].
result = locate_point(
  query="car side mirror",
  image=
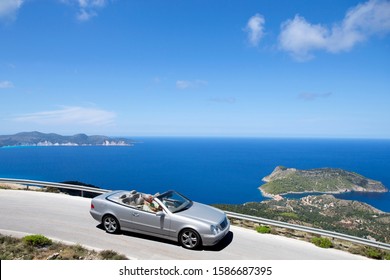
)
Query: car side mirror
[{"x": 160, "y": 214}]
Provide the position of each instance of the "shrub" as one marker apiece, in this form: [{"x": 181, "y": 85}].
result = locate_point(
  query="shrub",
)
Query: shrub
[
  {"x": 373, "y": 253},
  {"x": 322, "y": 242},
  {"x": 111, "y": 255},
  {"x": 73, "y": 252},
  {"x": 290, "y": 215},
  {"x": 263, "y": 229},
  {"x": 37, "y": 240}
]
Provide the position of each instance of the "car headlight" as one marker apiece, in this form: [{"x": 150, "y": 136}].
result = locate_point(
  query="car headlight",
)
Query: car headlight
[{"x": 215, "y": 229}]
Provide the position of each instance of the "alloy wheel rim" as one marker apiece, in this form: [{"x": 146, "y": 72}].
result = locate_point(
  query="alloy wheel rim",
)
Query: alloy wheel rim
[
  {"x": 189, "y": 239},
  {"x": 110, "y": 224}
]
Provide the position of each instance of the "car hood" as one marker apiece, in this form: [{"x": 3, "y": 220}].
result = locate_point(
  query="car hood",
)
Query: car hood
[{"x": 203, "y": 212}]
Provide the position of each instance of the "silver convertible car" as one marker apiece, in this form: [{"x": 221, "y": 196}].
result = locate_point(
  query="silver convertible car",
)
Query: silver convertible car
[{"x": 169, "y": 215}]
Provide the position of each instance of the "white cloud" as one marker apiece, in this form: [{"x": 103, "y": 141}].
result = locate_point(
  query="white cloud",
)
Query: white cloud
[
  {"x": 300, "y": 37},
  {"x": 9, "y": 8},
  {"x": 86, "y": 3},
  {"x": 371, "y": 17},
  {"x": 92, "y": 3},
  {"x": 185, "y": 84},
  {"x": 84, "y": 15},
  {"x": 228, "y": 100},
  {"x": 87, "y": 9},
  {"x": 70, "y": 116},
  {"x": 255, "y": 29},
  {"x": 309, "y": 96},
  {"x": 6, "y": 84}
]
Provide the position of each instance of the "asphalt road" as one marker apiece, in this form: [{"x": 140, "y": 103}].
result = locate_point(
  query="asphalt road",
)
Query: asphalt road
[{"x": 67, "y": 219}]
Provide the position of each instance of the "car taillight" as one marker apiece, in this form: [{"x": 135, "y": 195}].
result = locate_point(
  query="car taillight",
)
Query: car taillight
[{"x": 92, "y": 206}]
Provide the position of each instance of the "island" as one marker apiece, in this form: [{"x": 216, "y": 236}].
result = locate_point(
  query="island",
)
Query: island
[
  {"x": 285, "y": 180},
  {"x": 319, "y": 208},
  {"x": 36, "y": 138}
]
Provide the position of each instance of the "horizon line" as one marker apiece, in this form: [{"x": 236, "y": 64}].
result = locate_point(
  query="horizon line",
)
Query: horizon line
[{"x": 215, "y": 136}]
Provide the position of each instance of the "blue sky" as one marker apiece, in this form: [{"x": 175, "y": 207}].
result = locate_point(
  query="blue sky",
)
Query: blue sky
[{"x": 261, "y": 68}]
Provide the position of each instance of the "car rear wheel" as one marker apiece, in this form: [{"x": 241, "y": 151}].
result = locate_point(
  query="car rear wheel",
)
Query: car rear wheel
[
  {"x": 111, "y": 224},
  {"x": 189, "y": 239}
]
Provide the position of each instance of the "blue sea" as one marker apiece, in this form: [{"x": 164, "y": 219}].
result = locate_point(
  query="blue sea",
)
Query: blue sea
[{"x": 208, "y": 170}]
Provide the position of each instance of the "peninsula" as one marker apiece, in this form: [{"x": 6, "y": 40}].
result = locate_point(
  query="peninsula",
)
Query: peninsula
[
  {"x": 320, "y": 180},
  {"x": 36, "y": 138},
  {"x": 319, "y": 208}
]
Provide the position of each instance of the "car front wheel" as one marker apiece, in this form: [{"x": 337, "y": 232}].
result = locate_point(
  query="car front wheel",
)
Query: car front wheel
[
  {"x": 111, "y": 224},
  {"x": 189, "y": 239}
]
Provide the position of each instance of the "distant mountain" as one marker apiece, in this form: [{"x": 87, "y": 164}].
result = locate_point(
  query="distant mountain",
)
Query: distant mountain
[{"x": 36, "y": 138}]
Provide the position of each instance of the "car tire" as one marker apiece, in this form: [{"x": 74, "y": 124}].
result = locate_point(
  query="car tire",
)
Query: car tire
[
  {"x": 190, "y": 239},
  {"x": 111, "y": 224}
]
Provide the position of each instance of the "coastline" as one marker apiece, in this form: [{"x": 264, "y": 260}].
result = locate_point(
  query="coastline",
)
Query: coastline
[
  {"x": 276, "y": 197},
  {"x": 280, "y": 195},
  {"x": 66, "y": 145},
  {"x": 217, "y": 160}
]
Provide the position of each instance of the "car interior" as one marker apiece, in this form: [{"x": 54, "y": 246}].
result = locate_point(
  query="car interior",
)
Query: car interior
[{"x": 136, "y": 199}]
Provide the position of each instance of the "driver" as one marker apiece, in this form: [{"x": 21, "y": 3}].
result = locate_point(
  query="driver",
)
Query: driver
[{"x": 150, "y": 205}]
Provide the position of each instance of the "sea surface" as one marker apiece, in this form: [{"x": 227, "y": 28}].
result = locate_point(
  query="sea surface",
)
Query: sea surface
[{"x": 208, "y": 170}]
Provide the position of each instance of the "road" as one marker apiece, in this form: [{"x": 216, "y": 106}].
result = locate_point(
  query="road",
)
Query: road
[{"x": 67, "y": 219}]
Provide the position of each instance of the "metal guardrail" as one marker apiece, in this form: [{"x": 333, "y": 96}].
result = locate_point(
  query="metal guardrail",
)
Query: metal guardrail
[
  {"x": 28, "y": 183},
  {"x": 321, "y": 232},
  {"x": 259, "y": 220}
]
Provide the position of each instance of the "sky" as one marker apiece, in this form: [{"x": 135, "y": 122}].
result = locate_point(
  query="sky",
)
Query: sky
[{"x": 196, "y": 68}]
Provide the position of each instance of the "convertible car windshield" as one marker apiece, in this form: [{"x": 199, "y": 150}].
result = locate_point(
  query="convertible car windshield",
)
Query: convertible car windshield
[{"x": 174, "y": 201}]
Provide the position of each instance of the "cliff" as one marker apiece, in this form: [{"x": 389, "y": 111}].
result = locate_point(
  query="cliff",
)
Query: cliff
[
  {"x": 323, "y": 180},
  {"x": 36, "y": 138}
]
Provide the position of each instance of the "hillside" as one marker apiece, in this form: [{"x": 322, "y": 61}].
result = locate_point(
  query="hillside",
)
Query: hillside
[
  {"x": 323, "y": 180},
  {"x": 36, "y": 138},
  {"x": 323, "y": 211}
]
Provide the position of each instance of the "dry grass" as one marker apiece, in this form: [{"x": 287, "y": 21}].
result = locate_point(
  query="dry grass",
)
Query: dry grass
[{"x": 12, "y": 248}]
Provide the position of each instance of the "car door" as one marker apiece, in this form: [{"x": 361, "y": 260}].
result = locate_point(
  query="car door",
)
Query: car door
[
  {"x": 125, "y": 216},
  {"x": 150, "y": 222}
]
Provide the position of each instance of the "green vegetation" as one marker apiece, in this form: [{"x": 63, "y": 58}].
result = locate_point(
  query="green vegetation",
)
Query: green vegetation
[
  {"x": 291, "y": 215},
  {"x": 374, "y": 253},
  {"x": 322, "y": 242},
  {"x": 324, "y": 212},
  {"x": 288, "y": 180},
  {"x": 263, "y": 229},
  {"x": 111, "y": 255},
  {"x": 339, "y": 244},
  {"x": 39, "y": 247},
  {"x": 37, "y": 240}
]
